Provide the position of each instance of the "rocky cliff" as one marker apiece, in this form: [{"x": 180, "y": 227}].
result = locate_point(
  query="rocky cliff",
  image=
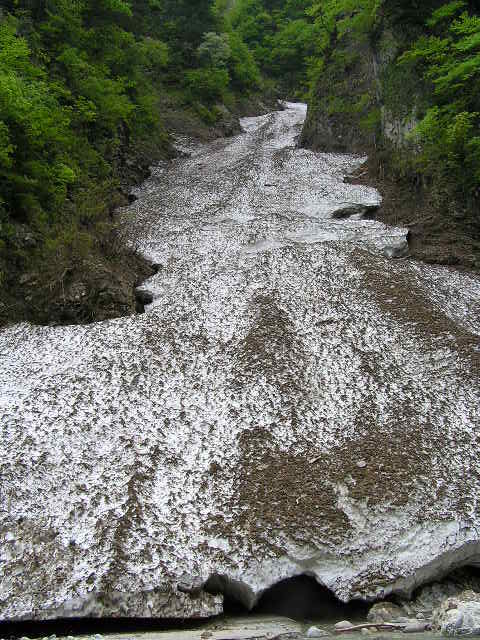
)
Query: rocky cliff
[{"x": 367, "y": 102}]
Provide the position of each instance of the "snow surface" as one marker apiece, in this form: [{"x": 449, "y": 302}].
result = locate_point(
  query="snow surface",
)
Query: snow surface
[{"x": 291, "y": 402}]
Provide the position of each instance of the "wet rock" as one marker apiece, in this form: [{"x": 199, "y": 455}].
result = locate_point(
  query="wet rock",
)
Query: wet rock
[
  {"x": 385, "y": 612},
  {"x": 416, "y": 627},
  {"x": 316, "y": 632},
  {"x": 432, "y": 595},
  {"x": 143, "y": 296},
  {"x": 358, "y": 210},
  {"x": 344, "y": 624},
  {"x": 399, "y": 250},
  {"x": 458, "y": 616}
]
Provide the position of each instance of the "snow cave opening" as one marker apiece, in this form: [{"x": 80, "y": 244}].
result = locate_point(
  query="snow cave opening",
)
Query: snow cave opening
[{"x": 300, "y": 598}]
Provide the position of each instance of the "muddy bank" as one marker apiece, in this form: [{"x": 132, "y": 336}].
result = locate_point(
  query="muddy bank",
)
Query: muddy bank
[
  {"x": 183, "y": 121},
  {"x": 439, "y": 235}
]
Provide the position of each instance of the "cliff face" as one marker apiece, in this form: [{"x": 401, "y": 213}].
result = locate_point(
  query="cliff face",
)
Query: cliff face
[
  {"x": 334, "y": 117},
  {"x": 364, "y": 101}
]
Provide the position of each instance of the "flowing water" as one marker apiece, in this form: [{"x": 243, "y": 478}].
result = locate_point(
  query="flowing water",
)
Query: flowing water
[{"x": 270, "y": 317}]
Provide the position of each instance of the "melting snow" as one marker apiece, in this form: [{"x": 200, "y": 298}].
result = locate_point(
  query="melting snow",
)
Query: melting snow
[{"x": 222, "y": 430}]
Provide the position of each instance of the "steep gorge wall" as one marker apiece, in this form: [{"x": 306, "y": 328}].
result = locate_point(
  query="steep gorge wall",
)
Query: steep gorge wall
[{"x": 364, "y": 101}]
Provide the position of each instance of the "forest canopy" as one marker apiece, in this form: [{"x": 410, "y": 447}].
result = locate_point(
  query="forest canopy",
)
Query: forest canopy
[{"x": 82, "y": 83}]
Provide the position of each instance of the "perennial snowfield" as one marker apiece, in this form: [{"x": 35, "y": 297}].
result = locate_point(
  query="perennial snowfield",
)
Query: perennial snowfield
[{"x": 291, "y": 402}]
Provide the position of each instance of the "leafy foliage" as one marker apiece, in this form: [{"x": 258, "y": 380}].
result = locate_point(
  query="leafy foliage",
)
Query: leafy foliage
[
  {"x": 81, "y": 83},
  {"x": 449, "y": 59},
  {"x": 440, "y": 65}
]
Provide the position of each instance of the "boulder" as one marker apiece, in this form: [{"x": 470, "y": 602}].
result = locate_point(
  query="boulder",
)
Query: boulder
[
  {"x": 459, "y": 615},
  {"x": 344, "y": 624},
  {"x": 416, "y": 627},
  {"x": 385, "y": 612},
  {"x": 399, "y": 250},
  {"x": 315, "y": 632}
]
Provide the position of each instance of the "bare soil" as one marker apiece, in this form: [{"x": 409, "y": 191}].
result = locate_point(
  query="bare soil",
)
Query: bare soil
[{"x": 439, "y": 234}]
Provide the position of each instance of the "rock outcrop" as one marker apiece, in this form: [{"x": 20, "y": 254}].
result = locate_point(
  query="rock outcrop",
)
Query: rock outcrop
[
  {"x": 385, "y": 612},
  {"x": 459, "y": 616}
]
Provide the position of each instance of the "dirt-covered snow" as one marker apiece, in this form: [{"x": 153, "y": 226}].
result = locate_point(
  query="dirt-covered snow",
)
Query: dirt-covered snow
[{"x": 292, "y": 401}]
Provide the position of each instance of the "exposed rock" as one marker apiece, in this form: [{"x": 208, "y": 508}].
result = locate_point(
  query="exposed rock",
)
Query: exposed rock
[
  {"x": 416, "y": 627},
  {"x": 143, "y": 296},
  {"x": 227, "y": 122},
  {"x": 315, "y": 632},
  {"x": 385, "y": 612},
  {"x": 458, "y": 616},
  {"x": 431, "y": 596},
  {"x": 344, "y": 624},
  {"x": 76, "y": 293},
  {"x": 399, "y": 250}
]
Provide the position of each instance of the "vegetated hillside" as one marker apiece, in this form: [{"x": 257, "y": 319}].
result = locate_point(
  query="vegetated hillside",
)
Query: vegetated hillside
[
  {"x": 401, "y": 80},
  {"x": 88, "y": 92}
]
